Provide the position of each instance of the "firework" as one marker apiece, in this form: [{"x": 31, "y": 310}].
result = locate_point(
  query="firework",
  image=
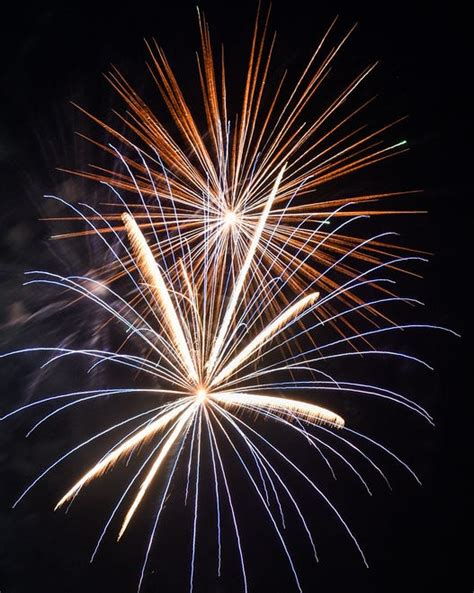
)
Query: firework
[
  {"x": 208, "y": 188},
  {"x": 211, "y": 375},
  {"x": 222, "y": 287}
]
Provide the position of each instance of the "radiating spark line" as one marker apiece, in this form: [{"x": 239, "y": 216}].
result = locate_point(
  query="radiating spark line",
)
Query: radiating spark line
[
  {"x": 218, "y": 508},
  {"x": 180, "y": 425},
  {"x": 106, "y": 463},
  {"x": 158, "y": 514},
  {"x": 264, "y": 336},
  {"x": 124, "y": 494},
  {"x": 190, "y": 459},
  {"x": 224, "y": 326},
  {"x": 147, "y": 264},
  {"x": 196, "y": 499},
  {"x": 231, "y": 505},
  {"x": 282, "y": 405}
]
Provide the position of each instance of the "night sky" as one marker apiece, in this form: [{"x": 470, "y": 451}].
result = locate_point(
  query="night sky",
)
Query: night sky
[{"x": 52, "y": 55}]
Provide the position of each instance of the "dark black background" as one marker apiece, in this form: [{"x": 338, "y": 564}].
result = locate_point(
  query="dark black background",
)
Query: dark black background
[{"x": 412, "y": 536}]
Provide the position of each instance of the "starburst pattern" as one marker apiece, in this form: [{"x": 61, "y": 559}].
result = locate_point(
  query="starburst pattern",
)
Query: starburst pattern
[
  {"x": 222, "y": 285},
  {"x": 207, "y": 189}
]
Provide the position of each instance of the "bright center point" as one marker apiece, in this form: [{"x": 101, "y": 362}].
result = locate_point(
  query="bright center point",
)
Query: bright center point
[
  {"x": 201, "y": 395},
  {"x": 230, "y": 218}
]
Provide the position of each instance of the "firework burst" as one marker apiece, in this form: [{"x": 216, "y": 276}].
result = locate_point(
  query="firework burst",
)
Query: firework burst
[
  {"x": 208, "y": 188},
  {"x": 213, "y": 369},
  {"x": 221, "y": 284}
]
